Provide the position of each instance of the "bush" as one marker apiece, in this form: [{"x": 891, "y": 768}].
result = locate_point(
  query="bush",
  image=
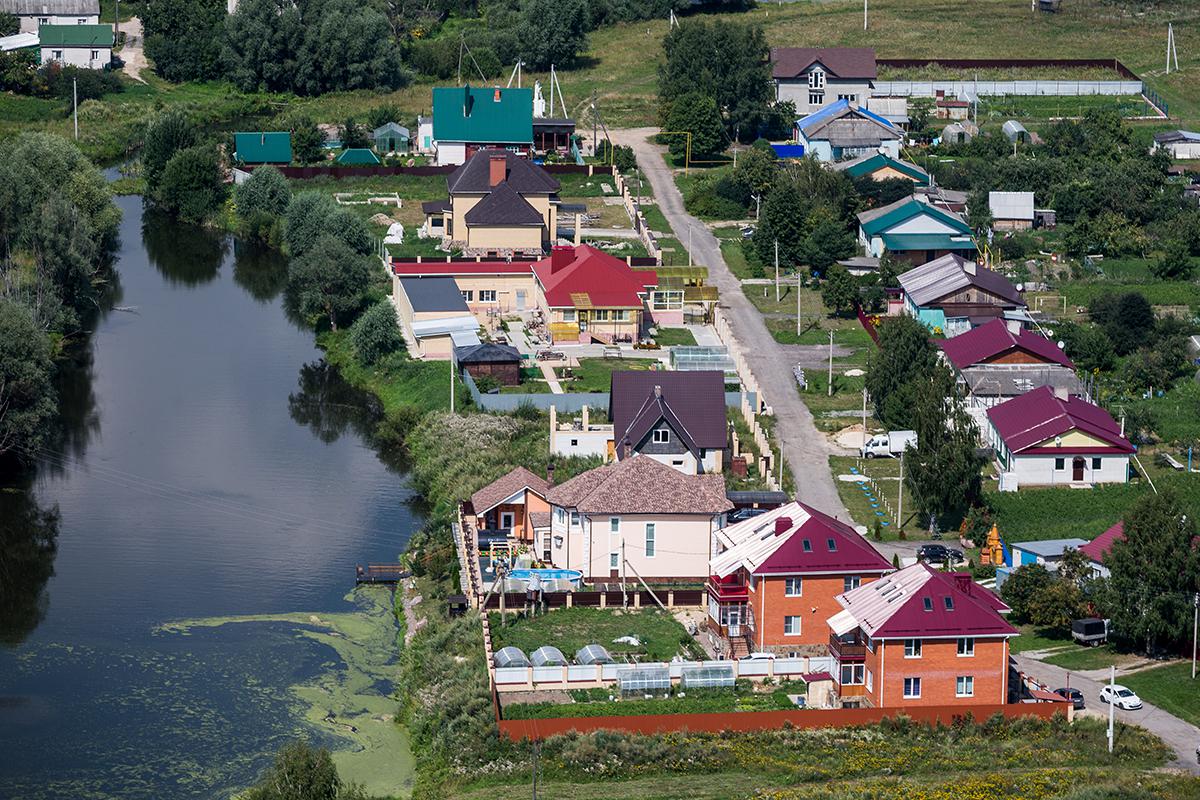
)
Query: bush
[
  {"x": 261, "y": 201},
  {"x": 376, "y": 333},
  {"x": 191, "y": 187}
]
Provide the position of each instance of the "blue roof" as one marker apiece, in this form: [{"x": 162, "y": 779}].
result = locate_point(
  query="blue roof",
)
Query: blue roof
[
  {"x": 824, "y": 113},
  {"x": 263, "y": 147}
]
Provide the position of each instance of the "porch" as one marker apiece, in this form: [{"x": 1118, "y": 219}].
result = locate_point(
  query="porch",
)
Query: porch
[{"x": 730, "y": 615}]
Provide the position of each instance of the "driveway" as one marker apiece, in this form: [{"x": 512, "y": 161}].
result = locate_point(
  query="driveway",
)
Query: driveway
[
  {"x": 804, "y": 448},
  {"x": 132, "y": 53},
  {"x": 1182, "y": 737}
]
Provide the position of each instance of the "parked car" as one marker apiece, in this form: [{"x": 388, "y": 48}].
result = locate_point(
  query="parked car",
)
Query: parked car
[
  {"x": 758, "y": 657},
  {"x": 1120, "y": 696},
  {"x": 939, "y": 554},
  {"x": 892, "y": 444},
  {"x": 1074, "y": 695},
  {"x": 741, "y": 514},
  {"x": 1091, "y": 631}
]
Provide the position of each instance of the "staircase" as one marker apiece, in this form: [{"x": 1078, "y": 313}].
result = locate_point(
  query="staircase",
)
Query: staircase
[{"x": 738, "y": 647}]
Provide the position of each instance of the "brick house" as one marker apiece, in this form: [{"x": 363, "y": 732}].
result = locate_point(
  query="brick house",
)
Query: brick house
[
  {"x": 775, "y": 578},
  {"x": 919, "y": 637}
]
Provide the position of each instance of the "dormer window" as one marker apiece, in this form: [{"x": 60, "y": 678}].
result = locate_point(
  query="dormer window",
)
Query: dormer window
[
  {"x": 832, "y": 545},
  {"x": 949, "y": 603},
  {"x": 807, "y": 545},
  {"x": 928, "y": 603},
  {"x": 816, "y": 79}
]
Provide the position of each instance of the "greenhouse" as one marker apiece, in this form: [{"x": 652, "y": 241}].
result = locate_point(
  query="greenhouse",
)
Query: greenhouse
[
  {"x": 707, "y": 675},
  {"x": 702, "y": 358},
  {"x": 645, "y": 679},
  {"x": 510, "y": 657},
  {"x": 547, "y": 656},
  {"x": 593, "y": 654}
]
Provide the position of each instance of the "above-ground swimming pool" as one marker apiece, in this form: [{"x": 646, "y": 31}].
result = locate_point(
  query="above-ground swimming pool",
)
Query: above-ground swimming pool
[{"x": 572, "y": 575}]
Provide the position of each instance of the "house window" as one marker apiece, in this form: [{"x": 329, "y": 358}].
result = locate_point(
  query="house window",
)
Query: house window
[
  {"x": 649, "y": 540},
  {"x": 574, "y": 518},
  {"x": 948, "y": 601},
  {"x": 568, "y": 315},
  {"x": 850, "y": 582},
  {"x": 43, "y": 20},
  {"x": 852, "y": 674},
  {"x": 56, "y": 55},
  {"x": 468, "y": 295},
  {"x": 574, "y": 443},
  {"x": 1060, "y": 464},
  {"x": 620, "y": 315},
  {"x": 912, "y": 648},
  {"x": 870, "y": 681},
  {"x": 487, "y": 295},
  {"x": 815, "y": 98},
  {"x": 852, "y": 98},
  {"x": 1096, "y": 462},
  {"x": 791, "y": 625},
  {"x": 559, "y": 514},
  {"x": 793, "y": 587},
  {"x": 912, "y": 688},
  {"x": 966, "y": 646},
  {"x": 816, "y": 79},
  {"x": 614, "y": 524},
  {"x": 661, "y": 436},
  {"x": 546, "y": 548},
  {"x": 964, "y": 686},
  {"x": 81, "y": 21},
  {"x": 95, "y": 55},
  {"x": 613, "y": 560},
  {"x": 600, "y": 315}
]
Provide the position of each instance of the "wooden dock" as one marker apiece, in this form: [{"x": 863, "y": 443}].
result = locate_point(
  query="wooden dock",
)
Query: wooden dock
[{"x": 380, "y": 573}]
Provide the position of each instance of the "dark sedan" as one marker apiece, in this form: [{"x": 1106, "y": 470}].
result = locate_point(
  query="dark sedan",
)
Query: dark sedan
[{"x": 1074, "y": 695}]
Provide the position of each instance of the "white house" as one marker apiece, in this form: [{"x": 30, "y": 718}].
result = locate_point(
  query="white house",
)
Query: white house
[
  {"x": 1045, "y": 438},
  {"x": 33, "y": 14},
  {"x": 814, "y": 77},
  {"x": 1180, "y": 144},
  {"x": 86, "y": 46},
  {"x": 424, "y": 142}
]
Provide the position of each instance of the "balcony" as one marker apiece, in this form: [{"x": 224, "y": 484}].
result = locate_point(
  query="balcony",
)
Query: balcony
[
  {"x": 851, "y": 647},
  {"x": 728, "y": 589}
]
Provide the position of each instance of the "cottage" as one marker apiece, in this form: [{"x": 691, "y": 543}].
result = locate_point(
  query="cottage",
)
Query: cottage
[
  {"x": 676, "y": 418},
  {"x": 919, "y": 637},
  {"x": 77, "y": 45},
  {"x": 1011, "y": 211},
  {"x": 1046, "y": 437},
  {"x": 636, "y": 518},
  {"x": 774, "y": 579},
  {"x": 1001, "y": 359},
  {"x": 951, "y": 108},
  {"x": 1180, "y": 144},
  {"x": 391, "y": 137},
  {"x": 467, "y": 119},
  {"x": 433, "y": 316},
  {"x": 913, "y": 231},
  {"x": 499, "y": 362},
  {"x": 814, "y": 77},
  {"x": 262, "y": 147},
  {"x": 843, "y": 130},
  {"x": 951, "y": 294},
  {"x": 33, "y": 14},
  {"x": 1097, "y": 549},
  {"x": 514, "y": 504},
  {"x": 882, "y": 167},
  {"x": 586, "y": 295}
]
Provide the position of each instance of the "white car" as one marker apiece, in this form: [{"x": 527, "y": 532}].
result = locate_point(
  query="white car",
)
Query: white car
[
  {"x": 758, "y": 657},
  {"x": 1121, "y": 697}
]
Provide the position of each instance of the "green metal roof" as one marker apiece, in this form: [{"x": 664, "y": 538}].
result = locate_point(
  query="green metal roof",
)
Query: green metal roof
[
  {"x": 76, "y": 35},
  {"x": 357, "y": 155},
  {"x": 908, "y": 210},
  {"x": 925, "y": 241},
  {"x": 262, "y": 147},
  {"x": 482, "y": 115},
  {"x": 882, "y": 161}
]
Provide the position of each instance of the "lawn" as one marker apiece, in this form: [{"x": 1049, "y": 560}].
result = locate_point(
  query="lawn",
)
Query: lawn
[
  {"x": 1032, "y": 638},
  {"x": 674, "y": 337},
  {"x": 1079, "y": 658},
  {"x": 859, "y": 502},
  {"x": 655, "y": 219},
  {"x": 398, "y": 380},
  {"x": 595, "y": 374},
  {"x": 570, "y": 629},
  {"x": 577, "y": 185},
  {"x": 1174, "y": 414},
  {"x": 1171, "y": 688}
]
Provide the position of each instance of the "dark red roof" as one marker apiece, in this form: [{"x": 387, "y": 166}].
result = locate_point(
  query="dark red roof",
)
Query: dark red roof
[
  {"x": 408, "y": 268},
  {"x": 842, "y": 62},
  {"x": 1038, "y": 416},
  {"x": 593, "y": 278},
  {"x": 1098, "y": 548},
  {"x": 693, "y": 401},
  {"x": 993, "y": 339},
  {"x": 970, "y": 613},
  {"x": 850, "y": 552}
]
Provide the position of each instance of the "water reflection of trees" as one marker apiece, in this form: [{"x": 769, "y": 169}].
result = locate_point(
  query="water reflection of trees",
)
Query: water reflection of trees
[
  {"x": 329, "y": 407},
  {"x": 186, "y": 254},
  {"x": 260, "y": 270},
  {"x": 28, "y": 545}
]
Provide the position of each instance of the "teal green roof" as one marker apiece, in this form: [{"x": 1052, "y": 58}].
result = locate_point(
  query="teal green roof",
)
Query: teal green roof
[
  {"x": 467, "y": 114},
  {"x": 925, "y": 241},
  {"x": 357, "y": 155},
  {"x": 880, "y": 161},
  {"x": 76, "y": 35},
  {"x": 907, "y": 209},
  {"x": 262, "y": 147}
]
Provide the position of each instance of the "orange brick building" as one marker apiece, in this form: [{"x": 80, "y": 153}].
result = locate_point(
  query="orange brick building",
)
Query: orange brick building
[
  {"x": 919, "y": 637},
  {"x": 774, "y": 579}
]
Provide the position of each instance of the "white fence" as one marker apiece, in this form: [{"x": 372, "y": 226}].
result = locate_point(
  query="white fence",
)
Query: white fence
[
  {"x": 1003, "y": 88},
  {"x": 580, "y": 676}
]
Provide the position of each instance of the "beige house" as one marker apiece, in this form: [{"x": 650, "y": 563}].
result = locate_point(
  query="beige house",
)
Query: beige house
[
  {"x": 636, "y": 518},
  {"x": 489, "y": 288},
  {"x": 434, "y": 319}
]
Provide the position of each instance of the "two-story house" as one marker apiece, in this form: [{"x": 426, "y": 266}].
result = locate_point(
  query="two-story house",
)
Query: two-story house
[
  {"x": 919, "y": 637},
  {"x": 636, "y": 518},
  {"x": 813, "y": 77},
  {"x": 676, "y": 417},
  {"x": 33, "y": 14},
  {"x": 467, "y": 119},
  {"x": 773, "y": 579},
  {"x": 515, "y": 503}
]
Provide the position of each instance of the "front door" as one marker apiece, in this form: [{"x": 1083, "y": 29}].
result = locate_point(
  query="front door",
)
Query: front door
[
  {"x": 1077, "y": 469},
  {"x": 507, "y": 518}
]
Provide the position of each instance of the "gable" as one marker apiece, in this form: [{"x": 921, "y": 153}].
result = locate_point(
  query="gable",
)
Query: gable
[
  {"x": 1073, "y": 438},
  {"x": 923, "y": 223}
]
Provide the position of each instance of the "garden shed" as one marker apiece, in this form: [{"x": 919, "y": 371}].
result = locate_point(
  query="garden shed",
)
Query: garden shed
[
  {"x": 510, "y": 657},
  {"x": 547, "y": 656},
  {"x": 501, "y": 362}
]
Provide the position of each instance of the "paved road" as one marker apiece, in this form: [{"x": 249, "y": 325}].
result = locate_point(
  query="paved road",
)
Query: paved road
[
  {"x": 804, "y": 448},
  {"x": 1181, "y": 736}
]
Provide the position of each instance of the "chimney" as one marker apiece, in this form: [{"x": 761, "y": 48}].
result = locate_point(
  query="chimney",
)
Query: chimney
[
  {"x": 963, "y": 582},
  {"x": 497, "y": 168},
  {"x": 496, "y": 95},
  {"x": 1014, "y": 326},
  {"x": 969, "y": 267},
  {"x": 1061, "y": 393},
  {"x": 626, "y": 448},
  {"x": 550, "y": 473},
  {"x": 782, "y": 525},
  {"x": 560, "y": 258},
  {"x": 657, "y": 391}
]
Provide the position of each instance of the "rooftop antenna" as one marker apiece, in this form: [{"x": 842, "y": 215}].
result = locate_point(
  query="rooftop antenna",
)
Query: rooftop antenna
[
  {"x": 1171, "y": 52},
  {"x": 864, "y": 15},
  {"x": 672, "y": 21}
]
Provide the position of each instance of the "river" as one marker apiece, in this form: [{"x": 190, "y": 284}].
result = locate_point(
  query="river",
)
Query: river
[{"x": 211, "y": 469}]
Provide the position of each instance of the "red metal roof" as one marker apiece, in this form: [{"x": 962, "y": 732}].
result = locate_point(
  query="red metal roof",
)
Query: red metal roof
[
  {"x": 408, "y": 268},
  {"x": 993, "y": 339},
  {"x": 606, "y": 281},
  {"x": 1098, "y": 548},
  {"x": 1038, "y": 416}
]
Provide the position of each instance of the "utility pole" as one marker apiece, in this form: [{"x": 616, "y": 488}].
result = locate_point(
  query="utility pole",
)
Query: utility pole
[
  {"x": 900, "y": 499},
  {"x": 452, "y": 381},
  {"x": 864, "y": 15},
  {"x": 864, "y": 416},
  {"x": 1112, "y": 704},
  {"x": 595, "y": 141},
  {"x": 830, "y": 392},
  {"x": 1195, "y": 620},
  {"x": 776, "y": 270},
  {"x": 75, "y": 103},
  {"x": 798, "y": 303},
  {"x": 537, "y": 751}
]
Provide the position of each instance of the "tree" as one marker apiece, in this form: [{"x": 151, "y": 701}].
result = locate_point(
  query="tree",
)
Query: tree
[
  {"x": 696, "y": 114},
  {"x": 1175, "y": 264},
  {"x": 261, "y": 202},
  {"x": 376, "y": 333},
  {"x": 353, "y": 135},
  {"x": 308, "y": 143},
  {"x": 840, "y": 290},
  {"x": 905, "y": 354},
  {"x": 755, "y": 170},
  {"x": 1021, "y": 588},
  {"x": 828, "y": 242},
  {"x": 552, "y": 32},
  {"x": 166, "y": 135},
  {"x": 1154, "y": 572},
  {"x": 943, "y": 469},
  {"x": 191, "y": 187},
  {"x": 27, "y": 400},
  {"x": 303, "y": 772},
  {"x": 261, "y": 45},
  {"x": 979, "y": 212},
  {"x": 783, "y": 219},
  {"x": 10, "y": 24},
  {"x": 183, "y": 38},
  {"x": 328, "y": 279},
  {"x": 1056, "y": 605},
  {"x": 1127, "y": 319}
]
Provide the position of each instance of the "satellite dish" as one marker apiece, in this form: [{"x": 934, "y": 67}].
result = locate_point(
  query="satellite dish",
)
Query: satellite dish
[
  {"x": 1062, "y": 345},
  {"x": 1020, "y": 287},
  {"x": 1050, "y": 333}
]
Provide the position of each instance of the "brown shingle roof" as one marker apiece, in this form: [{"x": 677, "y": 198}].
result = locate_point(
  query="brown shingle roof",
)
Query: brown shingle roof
[
  {"x": 641, "y": 485},
  {"x": 505, "y": 486},
  {"x": 503, "y": 206},
  {"x": 843, "y": 62},
  {"x": 520, "y": 173}
]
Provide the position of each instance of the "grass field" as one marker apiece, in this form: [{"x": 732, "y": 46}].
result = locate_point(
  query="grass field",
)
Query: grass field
[
  {"x": 1170, "y": 687},
  {"x": 569, "y": 629},
  {"x": 1078, "y": 658},
  {"x": 1032, "y": 638},
  {"x": 674, "y": 337},
  {"x": 858, "y": 502},
  {"x": 595, "y": 374}
]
